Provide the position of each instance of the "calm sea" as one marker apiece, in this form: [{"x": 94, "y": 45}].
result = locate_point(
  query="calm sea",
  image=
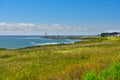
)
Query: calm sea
[{"x": 25, "y": 41}]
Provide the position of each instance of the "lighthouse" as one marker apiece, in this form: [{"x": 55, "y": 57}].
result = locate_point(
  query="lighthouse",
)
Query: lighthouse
[{"x": 45, "y": 34}]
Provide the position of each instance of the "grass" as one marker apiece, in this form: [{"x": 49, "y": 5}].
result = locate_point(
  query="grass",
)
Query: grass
[
  {"x": 109, "y": 73},
  {"x": 97, "y": 59}
]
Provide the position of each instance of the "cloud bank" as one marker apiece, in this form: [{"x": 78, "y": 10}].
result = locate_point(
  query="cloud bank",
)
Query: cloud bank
[
  {"x": 54, "y": 29},
  {"x": 32, "y": 28}
]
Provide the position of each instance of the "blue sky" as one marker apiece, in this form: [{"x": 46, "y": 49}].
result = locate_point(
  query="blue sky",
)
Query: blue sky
[{"x": 69, "y": 17}]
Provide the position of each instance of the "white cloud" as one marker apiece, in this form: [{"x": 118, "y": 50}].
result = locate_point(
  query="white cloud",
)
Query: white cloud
[
  {"x": 56, "y": 28},
  {"x": 35, "y": 28},
  {"x": 16, "y": 26}
]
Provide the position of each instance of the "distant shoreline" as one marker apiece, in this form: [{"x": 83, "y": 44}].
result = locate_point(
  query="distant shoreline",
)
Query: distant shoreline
[
  {"x": 36, "y": 41},
  {"x": 43, "y": 44}
]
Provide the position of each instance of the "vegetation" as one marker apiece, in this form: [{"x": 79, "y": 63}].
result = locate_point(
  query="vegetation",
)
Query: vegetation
[
  {"x": 96, "y": 59},
  {"x": 110, "y": 34}
]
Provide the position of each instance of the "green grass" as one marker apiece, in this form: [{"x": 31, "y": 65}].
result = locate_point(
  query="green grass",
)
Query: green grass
[
  {"x": 111, "y": 72},
  {"x": 97, "y": 59}
]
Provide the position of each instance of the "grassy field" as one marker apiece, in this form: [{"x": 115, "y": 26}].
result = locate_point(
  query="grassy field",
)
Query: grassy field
[{"x": 97, "y": 59}]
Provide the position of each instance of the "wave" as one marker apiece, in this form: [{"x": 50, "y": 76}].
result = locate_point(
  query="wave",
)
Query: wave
[
  {"x": 45, "y": 43},
  {"x": 36, "y": 44},
  {"x": 31, "y": 38}
]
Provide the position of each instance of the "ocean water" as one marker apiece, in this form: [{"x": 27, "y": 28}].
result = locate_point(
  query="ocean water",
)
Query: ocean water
[{"x": 26, "y": 41}]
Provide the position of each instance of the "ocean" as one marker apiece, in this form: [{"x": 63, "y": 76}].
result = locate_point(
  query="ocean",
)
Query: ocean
[{"x": 14, "y": 42}]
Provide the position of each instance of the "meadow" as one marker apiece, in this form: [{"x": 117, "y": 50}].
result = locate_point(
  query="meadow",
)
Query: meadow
[{"x": 97, "y": 59}]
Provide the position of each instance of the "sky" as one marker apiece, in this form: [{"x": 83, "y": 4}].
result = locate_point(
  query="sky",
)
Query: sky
[{"x": 59, "y": 17}]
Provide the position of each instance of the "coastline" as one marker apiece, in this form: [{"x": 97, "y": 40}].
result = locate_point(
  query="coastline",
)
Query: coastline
[
  {"x": 31, "y": 42},
  {"x": 43, "y": 44},
  {"x": 50, "y": 44}
]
